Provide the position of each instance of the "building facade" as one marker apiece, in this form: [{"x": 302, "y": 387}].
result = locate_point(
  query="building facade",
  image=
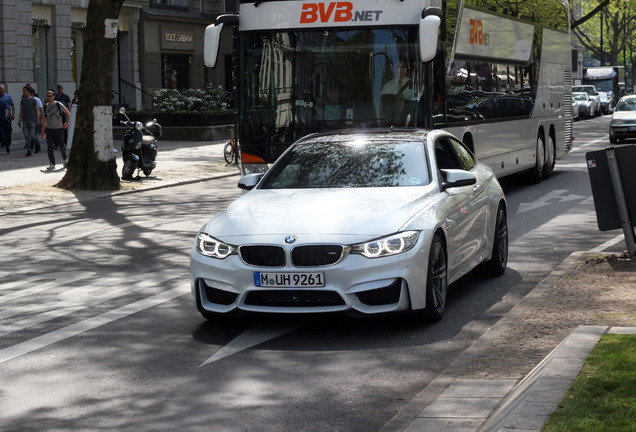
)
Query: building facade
[{"x": 159, "y": 45}]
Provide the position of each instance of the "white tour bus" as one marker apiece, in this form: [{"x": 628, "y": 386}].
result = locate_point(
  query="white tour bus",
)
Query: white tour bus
[{"x": 496, "y": 73}]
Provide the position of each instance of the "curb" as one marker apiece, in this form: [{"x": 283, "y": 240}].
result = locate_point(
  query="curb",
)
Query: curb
[
  {"x": 414, "y": 417},
  {"x": 106, "y": 194}
]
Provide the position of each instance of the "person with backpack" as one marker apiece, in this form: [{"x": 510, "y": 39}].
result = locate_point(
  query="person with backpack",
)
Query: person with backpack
[{"x": 53, "y": 126}]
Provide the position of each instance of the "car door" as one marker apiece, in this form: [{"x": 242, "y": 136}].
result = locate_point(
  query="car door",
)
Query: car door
[{"x": 465, "y": 209}]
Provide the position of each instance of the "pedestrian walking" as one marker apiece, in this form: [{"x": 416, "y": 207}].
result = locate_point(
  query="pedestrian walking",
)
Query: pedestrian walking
[
  {"x": 53, "y": 126},
  {"x": 29, "y": 118},
  {"x": 4, "y": 112},
  {"x": 8, "y": 100},
  {"x": 66, "y": 100},
  {"x": 75, "y": 98},
  {"x": 36, "y": 142}
]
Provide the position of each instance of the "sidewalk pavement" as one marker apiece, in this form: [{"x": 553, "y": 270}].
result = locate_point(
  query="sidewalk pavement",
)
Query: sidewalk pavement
[
  {"x": 480, "y": 392},
  {"x": 25, "y": 183},
  {"x": 511, "y": 379}
]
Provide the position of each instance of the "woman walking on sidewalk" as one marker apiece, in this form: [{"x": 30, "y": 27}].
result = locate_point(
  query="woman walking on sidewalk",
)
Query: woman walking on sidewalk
[{"x": 53, "y": 127}]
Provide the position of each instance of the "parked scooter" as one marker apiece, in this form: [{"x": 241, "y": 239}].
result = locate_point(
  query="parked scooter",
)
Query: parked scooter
[{"x": 139, "y": 149}]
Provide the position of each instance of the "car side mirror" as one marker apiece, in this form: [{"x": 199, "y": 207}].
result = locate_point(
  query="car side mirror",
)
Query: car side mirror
[
  {"x": 453, "y": 178},
  {"x": 249, "y": 181}
]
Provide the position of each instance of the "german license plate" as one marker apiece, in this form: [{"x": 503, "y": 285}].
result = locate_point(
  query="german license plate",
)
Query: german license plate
[{"x": 288, "y": 280}]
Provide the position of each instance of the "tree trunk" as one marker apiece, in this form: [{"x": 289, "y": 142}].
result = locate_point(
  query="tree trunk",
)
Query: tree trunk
[{"x": 92, "y": 164}]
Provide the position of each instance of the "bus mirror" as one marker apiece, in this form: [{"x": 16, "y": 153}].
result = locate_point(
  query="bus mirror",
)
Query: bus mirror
[
  {"x": 211, "y": 42},
  {"x": 429, "y": 26}
]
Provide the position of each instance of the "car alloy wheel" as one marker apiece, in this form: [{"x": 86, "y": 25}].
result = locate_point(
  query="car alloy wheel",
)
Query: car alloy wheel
[
  {"x": 497, "y": 264},
  {"x": 436, "y": 281}
]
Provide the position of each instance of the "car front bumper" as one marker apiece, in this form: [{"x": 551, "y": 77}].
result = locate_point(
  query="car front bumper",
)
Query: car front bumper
[
  {"x": 355, "y": 284},
  {"x": 621, "y": 131}
]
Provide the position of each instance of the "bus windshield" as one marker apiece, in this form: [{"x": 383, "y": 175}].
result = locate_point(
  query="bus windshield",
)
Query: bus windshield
[{"x": 297, "y": 82}]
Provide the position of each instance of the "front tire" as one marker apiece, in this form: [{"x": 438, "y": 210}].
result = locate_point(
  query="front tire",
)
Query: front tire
[
  {"x": 128, "y": 170},
  {"x": 147, "y": 171},
  {"x": 436, "y": 281}
]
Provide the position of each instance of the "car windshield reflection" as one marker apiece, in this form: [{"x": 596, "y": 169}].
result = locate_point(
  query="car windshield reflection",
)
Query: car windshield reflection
[
  {"x": 626, "y": 105},
  {"x": 350, "y": 164}
]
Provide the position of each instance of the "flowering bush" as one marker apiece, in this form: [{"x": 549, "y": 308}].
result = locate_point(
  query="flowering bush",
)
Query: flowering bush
[{"x": 210, "y": 99}]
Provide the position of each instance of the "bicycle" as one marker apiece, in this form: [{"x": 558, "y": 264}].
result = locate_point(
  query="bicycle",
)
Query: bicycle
[{"x": 231, "y": 150}]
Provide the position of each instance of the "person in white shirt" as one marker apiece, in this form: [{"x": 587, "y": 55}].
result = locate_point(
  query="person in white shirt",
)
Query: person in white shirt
[{"x": 53, "y": 125}]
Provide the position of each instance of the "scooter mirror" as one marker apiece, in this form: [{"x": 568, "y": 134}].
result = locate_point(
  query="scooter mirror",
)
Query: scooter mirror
[{"x": 122, "y": 110}]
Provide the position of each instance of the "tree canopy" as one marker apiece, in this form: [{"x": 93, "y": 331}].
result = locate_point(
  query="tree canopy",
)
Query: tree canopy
[{"x": 619, "y": 28}]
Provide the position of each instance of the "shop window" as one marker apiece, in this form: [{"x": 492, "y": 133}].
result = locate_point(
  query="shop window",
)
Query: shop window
[
  {"x": 176, "y": 71},
  {"x": 170, "y": 3},
  {"x": 230, "y": 6},
  {"x": 40, "y": 57},
  {"x": 77, "y": 50}
]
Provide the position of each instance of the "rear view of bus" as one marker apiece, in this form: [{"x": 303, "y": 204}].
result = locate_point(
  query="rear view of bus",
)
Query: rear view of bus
[{"x": 311, "y": 66}]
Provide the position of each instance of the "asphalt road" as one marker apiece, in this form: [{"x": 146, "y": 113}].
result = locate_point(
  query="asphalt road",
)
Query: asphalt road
[{"x": 98, "y": 331}]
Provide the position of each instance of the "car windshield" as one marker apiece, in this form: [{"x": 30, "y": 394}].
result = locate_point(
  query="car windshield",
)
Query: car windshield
[
  {"x": 581, "y": 97},
  {"x": 626, "y": 105},
  {"x": 588, "y": 90},
  {"x": 357, "y": 162}
]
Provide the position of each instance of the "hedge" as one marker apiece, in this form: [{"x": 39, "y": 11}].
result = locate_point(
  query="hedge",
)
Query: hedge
[{"x": 181, "y": 118}]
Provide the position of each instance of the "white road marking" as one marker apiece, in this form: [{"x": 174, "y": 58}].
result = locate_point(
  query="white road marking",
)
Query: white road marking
[
  {"x": 607, "y": 244},
  {"x": 544, "y": 200},
  {"x": 257, "y": 334},
  {"x": 82, "y": 297},
  {"x": 40, "y": 283},
  {"x": 90, "y": 323}
]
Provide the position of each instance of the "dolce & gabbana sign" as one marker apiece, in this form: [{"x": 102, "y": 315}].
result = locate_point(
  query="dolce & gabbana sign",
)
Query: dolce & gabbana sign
[{"x": 177, "y": 38}]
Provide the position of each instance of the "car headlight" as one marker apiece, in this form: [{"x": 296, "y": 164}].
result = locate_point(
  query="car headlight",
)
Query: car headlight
[
  {"x": 211, "y": 247},
  {"x": 617, "y": 121},
  {"x": 391, "y": 245}
]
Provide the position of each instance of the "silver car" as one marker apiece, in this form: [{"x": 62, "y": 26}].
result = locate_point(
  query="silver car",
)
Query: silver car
[
  {"x": 362, "y": 221},
  {"x": 586, "y": 106},
  {"x": 623, "y": 122},
  {"x": 590, "y": 90}
]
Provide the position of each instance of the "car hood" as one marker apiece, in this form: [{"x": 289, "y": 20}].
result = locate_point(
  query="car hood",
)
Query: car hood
[
  {"x": 624, "y": 115},
  {"x": 355, "y": 212}
]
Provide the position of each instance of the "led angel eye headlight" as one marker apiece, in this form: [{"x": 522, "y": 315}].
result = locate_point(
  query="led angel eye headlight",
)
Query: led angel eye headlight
[
  {"x": 211, "y": 247},
  {"x": 386, "y": 246}
]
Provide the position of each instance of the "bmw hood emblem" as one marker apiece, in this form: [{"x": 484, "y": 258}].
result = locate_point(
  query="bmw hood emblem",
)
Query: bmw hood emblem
[{"x": 290, "y": 239}]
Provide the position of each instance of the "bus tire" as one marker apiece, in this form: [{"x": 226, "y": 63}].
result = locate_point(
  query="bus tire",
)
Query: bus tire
[
  {"x": 550, "y": 158},
  {"x": 535, "y": 174}
]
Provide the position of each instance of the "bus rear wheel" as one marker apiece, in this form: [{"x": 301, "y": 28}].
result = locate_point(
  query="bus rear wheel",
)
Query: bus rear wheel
[
  {"x": 535, "y": 174},
  {"x": 550, "y": 158}
]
